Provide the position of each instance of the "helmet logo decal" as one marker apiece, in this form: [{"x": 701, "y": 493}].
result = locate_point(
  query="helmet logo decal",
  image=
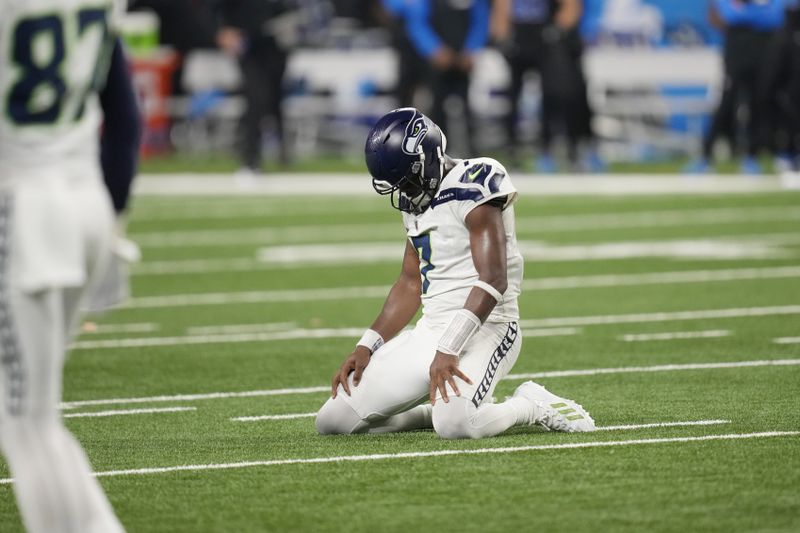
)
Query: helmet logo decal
[{"x": 415, "y": 133}]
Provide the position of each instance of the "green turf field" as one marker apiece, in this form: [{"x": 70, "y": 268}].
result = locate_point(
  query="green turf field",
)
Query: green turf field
[{"x": 646, "y": 309}]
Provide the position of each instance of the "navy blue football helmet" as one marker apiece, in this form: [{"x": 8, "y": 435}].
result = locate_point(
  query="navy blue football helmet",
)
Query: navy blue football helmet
[{"x": 405, "y": 155}]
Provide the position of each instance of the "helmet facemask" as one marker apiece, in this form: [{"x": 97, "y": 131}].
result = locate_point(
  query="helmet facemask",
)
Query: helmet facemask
[{"x": 414, "y": 192}]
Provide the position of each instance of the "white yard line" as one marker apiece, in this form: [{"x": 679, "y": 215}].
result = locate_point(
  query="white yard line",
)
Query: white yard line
[
  {"x": 102, "y": 329},
  {"x": 265, "y": 232},
  {"x": 198, "y": 266},
  {"x": 654, "y": 368},
  {"x": 240, "y": 208},
  {"x": 350, "y": 253},
  {"x": 668, "y": 336},
  {"x": 436, "y": 453},
  {"x": 305, "y": 255},
  {"x": 195, "y": 397},
  {"x": 239, "y": 334},
  {"x": 527, "y": 225},
  {"x": 266, "y": 235},
  {"x": 241, "y": 328},
  {"x": 652, "y": 219},
  {"x": 551, "y": 332},
  {"x": 658, "y": 278},
  {"x": 327, "y": 388},
  {"x": 687, "y": 423},
  {"x": 540, "y": 327},
  {"x": 736, "y": 312},
  {"x": 357, "y": 184},
  {"x": 130, "y": 412},
  {"x": 787, "y": 340},
  {"x": 554, "y": 283},
  {"x": 259, "y": 418},
  {"x": 313, "y": 256},
  {"x": 224, "y": 338},
  {"x": 279, "y": 296}
]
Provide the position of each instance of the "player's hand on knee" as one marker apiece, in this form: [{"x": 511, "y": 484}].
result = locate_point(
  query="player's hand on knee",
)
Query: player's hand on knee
[
  {"x": 356, "y": 362},
  {"x": 444, "y": 369}
]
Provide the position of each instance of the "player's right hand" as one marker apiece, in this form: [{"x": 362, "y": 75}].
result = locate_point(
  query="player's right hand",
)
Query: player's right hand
[{"x": 356, "y": 362}]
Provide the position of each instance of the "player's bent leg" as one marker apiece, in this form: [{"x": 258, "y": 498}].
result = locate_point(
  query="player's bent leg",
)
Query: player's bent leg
[
  {"x": 390, "y": 392},
  {"x": 460, "y": 419},
  {"x": 491, "y": 355},
  {"x": 337, "y": 418},
  {"x": 415, "y": 419}
]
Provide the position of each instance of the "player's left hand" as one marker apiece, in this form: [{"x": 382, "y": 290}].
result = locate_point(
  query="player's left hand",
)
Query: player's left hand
[
  {"x": 443, "y": 370},
  {"x": 355, "y": 363}
]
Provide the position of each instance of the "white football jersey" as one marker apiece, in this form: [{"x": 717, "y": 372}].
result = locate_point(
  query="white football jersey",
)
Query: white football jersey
[
  {"x": 53, "y": 60},
  {"x": 441, "y": 238}
]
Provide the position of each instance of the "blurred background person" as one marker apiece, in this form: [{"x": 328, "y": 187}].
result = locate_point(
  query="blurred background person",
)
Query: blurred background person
[
  {"x": 779, "y": 89},
  {"x": 185, "y": 25},
  {"x": 591, "y": 161},
  {"x": 411, "y": 66},
  {"x": 543, "y": 36},
  {"x": 448, "y": 34},
  {"x": 749, "y": 27},
  {"x": 343, "y": 73},
  {"x": 245, "y": 33}
]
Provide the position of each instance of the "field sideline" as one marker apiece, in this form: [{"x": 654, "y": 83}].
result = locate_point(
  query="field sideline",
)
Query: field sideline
[{"x": 668, "y": 306}]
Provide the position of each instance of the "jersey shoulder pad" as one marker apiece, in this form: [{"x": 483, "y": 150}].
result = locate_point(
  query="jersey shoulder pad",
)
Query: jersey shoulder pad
[
  {"x": 475, "y": 180},
  {"x": 485, "y": 172}
]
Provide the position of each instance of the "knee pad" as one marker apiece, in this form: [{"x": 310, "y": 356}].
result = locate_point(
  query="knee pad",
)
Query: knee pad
[
  {"x": 452, "y": 421},
  {"x": 337, "y": 418}
]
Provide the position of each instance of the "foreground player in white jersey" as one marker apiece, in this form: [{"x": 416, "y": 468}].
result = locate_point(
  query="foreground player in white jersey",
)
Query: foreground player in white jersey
[
  {"x": 462, "y": 264},
  {"x": 55, "y": 227}
]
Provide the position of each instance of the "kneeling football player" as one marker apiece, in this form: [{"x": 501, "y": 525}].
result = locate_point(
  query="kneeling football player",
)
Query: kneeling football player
[{"x": 463, "y": 266}]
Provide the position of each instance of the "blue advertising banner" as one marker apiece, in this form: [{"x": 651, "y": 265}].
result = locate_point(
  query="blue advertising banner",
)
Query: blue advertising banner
[{"x": 649, "y": 22}]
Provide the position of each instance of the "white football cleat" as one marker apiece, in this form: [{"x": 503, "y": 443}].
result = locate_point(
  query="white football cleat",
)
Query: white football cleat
[{"x": 553, "y": 412}]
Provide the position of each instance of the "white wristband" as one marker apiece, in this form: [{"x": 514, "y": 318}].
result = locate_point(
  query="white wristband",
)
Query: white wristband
[
  {"x": 371, "y": 339},
  {"x": 488, "y": 288},
  {"x": 461, "y": 328}
]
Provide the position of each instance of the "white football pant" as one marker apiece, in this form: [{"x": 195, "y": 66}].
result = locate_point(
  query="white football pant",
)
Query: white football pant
[
  {"x": 52, "y": 476},
  {"x": 395, "y": 386}
]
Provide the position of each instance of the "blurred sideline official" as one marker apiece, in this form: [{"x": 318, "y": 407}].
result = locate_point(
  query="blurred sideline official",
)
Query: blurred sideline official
[
  {"x": 542, "y": 35},
  {"x": 780, "y": 88},
  {"x": 412, "y": 67},
  {"x": 749, "y": 28},
  {"x": 245, "y": 34},
  {"x": 448, "y": 34}
]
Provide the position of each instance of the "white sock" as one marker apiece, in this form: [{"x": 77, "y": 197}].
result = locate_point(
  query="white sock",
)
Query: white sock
[{"x": 524, "y": 410}]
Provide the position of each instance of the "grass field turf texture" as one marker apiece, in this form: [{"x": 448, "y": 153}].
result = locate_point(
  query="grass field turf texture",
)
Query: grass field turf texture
[{"x": 642, "y": 483}]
